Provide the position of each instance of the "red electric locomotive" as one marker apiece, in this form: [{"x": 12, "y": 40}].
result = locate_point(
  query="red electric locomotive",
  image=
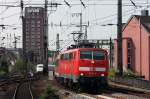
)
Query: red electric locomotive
[{"x": 84, "y": 66}]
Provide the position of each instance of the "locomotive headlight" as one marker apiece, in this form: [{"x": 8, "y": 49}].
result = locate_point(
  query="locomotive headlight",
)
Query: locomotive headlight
[
  {"x": 102, "y": 75},
  {"x": 81, "y": 74}
]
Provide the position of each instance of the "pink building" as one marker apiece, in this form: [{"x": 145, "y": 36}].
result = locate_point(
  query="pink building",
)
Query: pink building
[{"x": 136, "y": 45}]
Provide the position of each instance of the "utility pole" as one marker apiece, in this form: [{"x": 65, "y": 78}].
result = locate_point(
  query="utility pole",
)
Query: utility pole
[
  {"x": 85, "y": 35},
  {"x": 15, "y": 41},
  {"x": 119, "y": 38},
  {"x": 110, "y": 52},
  {"x": 57, "y": 43},
  {"x": 80, "y": 35},
  {"x": 23, "y": 33},
  {"x": 24, "y": 37},
  {"x": 46, "y": 38}
]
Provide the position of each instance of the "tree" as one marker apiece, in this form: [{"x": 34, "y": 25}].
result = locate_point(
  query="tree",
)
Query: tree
[
  {"x": 19, "y": 66},
  {"x": 3, "y": 67}
]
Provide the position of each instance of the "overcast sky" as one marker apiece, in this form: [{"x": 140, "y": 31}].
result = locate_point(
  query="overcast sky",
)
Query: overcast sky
[{"x": 98, "y": 13}]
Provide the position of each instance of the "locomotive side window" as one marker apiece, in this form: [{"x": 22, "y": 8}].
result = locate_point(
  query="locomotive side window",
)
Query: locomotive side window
[
  {"x": 97, "y": 55},
  {"x": 66, "y": 56},
  {"x": 62, "y": 57},
  {"x": 70, "y": 56},
  {"x": 86, "y": 55}
]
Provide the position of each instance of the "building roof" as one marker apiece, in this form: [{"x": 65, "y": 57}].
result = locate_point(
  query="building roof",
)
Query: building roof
[{"x": 144, "y": 20}]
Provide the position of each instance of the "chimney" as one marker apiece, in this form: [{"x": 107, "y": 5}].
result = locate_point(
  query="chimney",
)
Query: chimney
[{"x": 144, "y": 13}]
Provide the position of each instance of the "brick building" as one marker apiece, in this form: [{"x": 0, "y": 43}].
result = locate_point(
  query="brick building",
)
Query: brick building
[{"x": 136, "y": 45}]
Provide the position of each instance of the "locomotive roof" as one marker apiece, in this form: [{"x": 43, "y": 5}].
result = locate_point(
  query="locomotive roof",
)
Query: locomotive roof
[{"x": 78, "y": 49}]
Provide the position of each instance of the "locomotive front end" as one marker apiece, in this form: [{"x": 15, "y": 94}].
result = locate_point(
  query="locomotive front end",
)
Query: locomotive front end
[{"x": 93, "y": 67}]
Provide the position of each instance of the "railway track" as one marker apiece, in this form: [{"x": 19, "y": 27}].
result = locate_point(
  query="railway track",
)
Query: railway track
[
  {"x": 16, "y": 87},
  {"x": 65, "y": 94},
  {"x": 23, "y": 91},
  {"x": 112, "y": 92}
]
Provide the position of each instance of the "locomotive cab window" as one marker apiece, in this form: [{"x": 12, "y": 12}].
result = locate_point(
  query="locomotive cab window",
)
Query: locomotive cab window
[
  {"x": 92, "y": 55},
  {"x": 85, "y": 55},
  {"x": 97, "y": 55}
]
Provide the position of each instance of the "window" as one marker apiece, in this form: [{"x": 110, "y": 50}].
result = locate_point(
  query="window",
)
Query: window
[
  {"x": 27, "y": 33},
  {"x": 32, "y": 29},
  {"x": 85, "y": 55},
  {"x": 32, "y": 25},
  {"x": 32, "y": 36},
  {"x": 32, "y": 22},
  {"x": 129, "y": 55},
  {"x": 38, "y": 44},
  {"x": 62, "y": 57},
  {"x": 27, "y": 36},
  {"x": 67, "y": 56},
  {"x": 129, "y": 62},
  {"x": 70, "y": 56},
  {"x": 38, "y": 32},
  {"x": 97, "y": 55},
  {"x": 39, "y": 22},
  {"x": 38, "y": 29},
  {"x": 27, "y": 45},
  {"x": 89, "y": 55},
  {"x": 27, "y": 29}
]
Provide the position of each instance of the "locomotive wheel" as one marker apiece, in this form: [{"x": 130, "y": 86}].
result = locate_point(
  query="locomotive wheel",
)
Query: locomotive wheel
[{"x": 77, "y": 87}]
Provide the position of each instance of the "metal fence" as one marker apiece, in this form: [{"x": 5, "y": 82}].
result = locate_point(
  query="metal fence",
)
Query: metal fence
[{"x": 137, "y": 83}]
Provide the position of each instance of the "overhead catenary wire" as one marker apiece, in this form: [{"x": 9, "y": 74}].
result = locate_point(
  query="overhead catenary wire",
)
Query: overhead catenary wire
[
  {"x": 4, "y": 10},
  {"x": 133, "y": 3},
  {"x": 114, "y": 18},
  {"x": 102, "y": 19},
  {"x": 92, "y": 23}
]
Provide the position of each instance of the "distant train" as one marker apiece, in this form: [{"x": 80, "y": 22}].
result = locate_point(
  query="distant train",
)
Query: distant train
[{"x": 82, "y": 66}]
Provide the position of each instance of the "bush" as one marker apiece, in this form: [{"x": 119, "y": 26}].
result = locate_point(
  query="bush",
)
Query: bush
[
  {"x": 19, "y": 65},
  {"x": 111, "y": 73},
  {"x": 130, "y": 74},
  {"x": 2, "y": 72},
  {"x": 4, "y": 66},
  {"x": 31, "y": 66},
  {"x": 49, "y": 93}
]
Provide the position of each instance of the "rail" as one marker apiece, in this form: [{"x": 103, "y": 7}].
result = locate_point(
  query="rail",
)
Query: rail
[
  {"x": 15, "y": 93},
  {"x": 23, "y": 91},
  {"x": 22, "y": 84}
]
